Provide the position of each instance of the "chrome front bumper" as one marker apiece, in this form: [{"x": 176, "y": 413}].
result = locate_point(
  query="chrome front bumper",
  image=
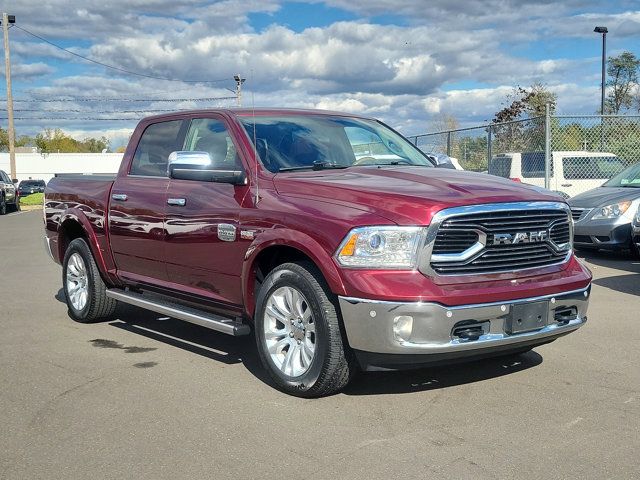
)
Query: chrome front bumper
[
  {"x": 47, "y": 247},
  {"x": 369, "y": 324}
]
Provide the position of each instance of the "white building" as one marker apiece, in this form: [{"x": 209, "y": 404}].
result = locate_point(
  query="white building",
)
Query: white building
[{"x": 45, "y": 166}]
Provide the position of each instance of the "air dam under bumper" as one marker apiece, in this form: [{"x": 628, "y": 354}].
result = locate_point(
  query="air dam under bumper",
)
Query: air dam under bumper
[{"x": 440, "y": 333}]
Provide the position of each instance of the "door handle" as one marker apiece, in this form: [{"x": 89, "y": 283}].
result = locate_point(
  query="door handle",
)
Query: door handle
[
  {"x": 178, "y": 202},
  {"x": 120, "y": 197},
  {"x": 567, "y": 185}
]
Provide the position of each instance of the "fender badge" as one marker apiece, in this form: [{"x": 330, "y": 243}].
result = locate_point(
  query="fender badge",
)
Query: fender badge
[
  {"x": 226, "y": 232},
  {"x": 247, "y": 234}
]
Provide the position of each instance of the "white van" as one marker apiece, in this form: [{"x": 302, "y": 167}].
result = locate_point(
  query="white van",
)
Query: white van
[{"x": 572, "y": 172}]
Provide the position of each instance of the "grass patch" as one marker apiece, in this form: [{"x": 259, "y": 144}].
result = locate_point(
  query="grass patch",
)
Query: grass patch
[{"x": 33, "y": 199}]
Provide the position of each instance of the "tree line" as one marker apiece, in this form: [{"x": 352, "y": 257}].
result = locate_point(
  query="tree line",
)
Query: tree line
[{"x": 54, "y": 141}]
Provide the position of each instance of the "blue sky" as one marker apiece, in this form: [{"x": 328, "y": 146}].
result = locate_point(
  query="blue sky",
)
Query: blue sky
[{"x": 410, "y": 63}]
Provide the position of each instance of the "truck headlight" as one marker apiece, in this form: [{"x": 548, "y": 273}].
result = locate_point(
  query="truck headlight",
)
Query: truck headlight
[
  {"x": 611, "y": 211},
  {"x": 381, "y": 247}
]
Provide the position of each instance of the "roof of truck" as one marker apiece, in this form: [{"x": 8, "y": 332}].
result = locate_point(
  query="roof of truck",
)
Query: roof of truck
[{"x": 247, "y": 112}]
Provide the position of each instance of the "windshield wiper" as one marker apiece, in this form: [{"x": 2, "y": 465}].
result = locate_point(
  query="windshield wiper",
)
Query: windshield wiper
[{"x": 314, "y": 166}]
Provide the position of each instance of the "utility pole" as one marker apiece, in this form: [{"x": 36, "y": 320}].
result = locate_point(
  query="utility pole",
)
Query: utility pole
[
  {"x": 6, "y": 20},
  {"x": 239, "y": 81}
]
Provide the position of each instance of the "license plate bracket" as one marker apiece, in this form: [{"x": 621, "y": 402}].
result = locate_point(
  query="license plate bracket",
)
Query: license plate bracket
[{"x": 527, "y": 317}]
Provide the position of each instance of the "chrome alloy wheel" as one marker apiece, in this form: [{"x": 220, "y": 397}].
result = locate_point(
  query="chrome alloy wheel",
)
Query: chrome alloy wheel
[
  {"x": 77, "y": 282},
  {"x": 289, "y": 331}
]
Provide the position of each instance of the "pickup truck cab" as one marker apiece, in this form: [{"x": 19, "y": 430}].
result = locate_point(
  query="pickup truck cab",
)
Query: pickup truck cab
[{"x": 270, "y": 221}]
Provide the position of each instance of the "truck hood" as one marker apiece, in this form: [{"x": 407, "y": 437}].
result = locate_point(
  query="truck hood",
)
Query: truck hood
[
  {"x": 604, "y": 196},
  {"x": 406, "y": 195}
]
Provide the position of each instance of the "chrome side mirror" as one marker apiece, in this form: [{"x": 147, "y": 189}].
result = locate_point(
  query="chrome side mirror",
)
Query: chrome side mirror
[{"x": 199, "y": 166}]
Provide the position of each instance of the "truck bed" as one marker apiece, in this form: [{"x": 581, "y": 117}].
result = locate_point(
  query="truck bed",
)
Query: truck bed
[{"x": 82, "y": 197}]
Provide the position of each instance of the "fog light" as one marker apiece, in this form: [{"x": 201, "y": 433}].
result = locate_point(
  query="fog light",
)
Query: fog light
[{"x": 402, "y": 327}]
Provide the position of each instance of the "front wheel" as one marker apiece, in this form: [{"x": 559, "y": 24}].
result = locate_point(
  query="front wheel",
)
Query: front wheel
[
  {"x": 298, "y": 333},
  {"x": 84, "y": 288},
  {"x": 3, "y": 206}
]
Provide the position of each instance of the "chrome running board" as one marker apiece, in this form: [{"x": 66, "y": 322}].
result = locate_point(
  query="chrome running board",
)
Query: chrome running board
[{"x": 181, "y": 312}]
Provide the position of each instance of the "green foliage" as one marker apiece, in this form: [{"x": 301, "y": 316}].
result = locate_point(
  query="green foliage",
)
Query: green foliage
[
  {"x": 526, "y": 103},
  {"x": 33, "y": 199},
  {"x": 620, "y": 136},
  {"x": 53, "y": 141},
  {"x": 623, "y": 79}
]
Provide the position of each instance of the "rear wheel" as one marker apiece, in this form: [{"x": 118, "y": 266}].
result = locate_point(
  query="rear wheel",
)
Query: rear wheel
[
  {"x": 298, "y": 333},
  {"x": 84, "y": 289}
]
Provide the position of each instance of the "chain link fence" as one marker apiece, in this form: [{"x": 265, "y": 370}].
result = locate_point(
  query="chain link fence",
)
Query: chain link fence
[{"x": 568, "y": 154}]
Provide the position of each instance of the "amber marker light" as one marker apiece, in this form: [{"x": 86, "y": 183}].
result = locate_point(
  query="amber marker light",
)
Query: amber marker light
[{"x": 350, "y": 247}]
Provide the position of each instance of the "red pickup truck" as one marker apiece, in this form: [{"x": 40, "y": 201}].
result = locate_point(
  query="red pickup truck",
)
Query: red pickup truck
[{"x": 329, "y": 235}]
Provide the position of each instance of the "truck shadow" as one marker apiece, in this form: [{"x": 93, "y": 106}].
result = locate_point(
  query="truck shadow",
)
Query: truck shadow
[
  {"x": 191, "y": 338},
  {"x": 618, "y": 262},
  {"x": 435, "y": 378},
  {"x": 230, "y": 351}
]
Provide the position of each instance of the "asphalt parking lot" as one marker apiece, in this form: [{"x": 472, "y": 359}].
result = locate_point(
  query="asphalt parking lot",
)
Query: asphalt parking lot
[{"x": 138, "y": 397}]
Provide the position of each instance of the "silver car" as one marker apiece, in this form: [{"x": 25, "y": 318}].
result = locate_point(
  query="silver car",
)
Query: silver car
[{"x": 603, "y": 216}]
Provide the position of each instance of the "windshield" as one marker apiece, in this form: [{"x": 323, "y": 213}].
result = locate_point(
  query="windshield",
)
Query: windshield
[
  {"x": 627, "y": 178},
  {"x": 320, "y": 141}
]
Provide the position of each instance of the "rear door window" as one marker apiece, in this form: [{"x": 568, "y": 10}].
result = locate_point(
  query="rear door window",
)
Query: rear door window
[
  {"x": 500, "y": 166},
  {"x": 533, "y": 165},
  {"x": 590, "y": 168},
  {"x": 155, "y": 146}
]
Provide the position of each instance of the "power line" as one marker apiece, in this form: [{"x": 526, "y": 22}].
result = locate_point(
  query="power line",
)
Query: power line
[
  {"x": 89, "y": 111},
  {"x": 99, "y": 99},
  {"x": 35, "y": 93},
  {"x": 129, "y": 72},
  {"x": 77, "y": 118}
]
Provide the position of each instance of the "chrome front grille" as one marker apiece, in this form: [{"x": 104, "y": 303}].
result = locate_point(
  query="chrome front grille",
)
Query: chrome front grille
[
  {"x": 498, "y": 238},
  {"x": 579, "y": 213}
]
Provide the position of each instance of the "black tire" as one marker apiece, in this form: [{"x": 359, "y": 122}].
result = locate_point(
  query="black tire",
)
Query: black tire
[
  {"x": 3, "y": 205},
  {"x": 98, "y": 306},
  {"x": 585, "y": 250},
  {"x": 333, "y": 363},
  {"x": 16, "y": 206},
  {"x": 634, "y": 251}
]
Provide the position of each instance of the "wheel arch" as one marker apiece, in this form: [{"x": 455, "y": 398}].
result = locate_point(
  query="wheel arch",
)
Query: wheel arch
[
  {"x": 74, "y": 225},
  {"x": 264, "y": 256}
]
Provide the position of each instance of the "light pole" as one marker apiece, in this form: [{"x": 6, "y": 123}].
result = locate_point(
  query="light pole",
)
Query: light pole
[{"x": 603, "y": 31}]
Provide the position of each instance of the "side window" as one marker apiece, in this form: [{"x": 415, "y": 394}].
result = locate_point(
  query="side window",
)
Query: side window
[
  {"x": 211, "y": 136},
  {"x": 152, "y": 152},
  {"x": 500, "y": 166},
  {"x": 533, "y": 165},
  {"x": 5, "y": 177}
]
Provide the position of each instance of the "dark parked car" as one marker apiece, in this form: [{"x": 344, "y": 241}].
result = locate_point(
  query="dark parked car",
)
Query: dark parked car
[
  {"x": 27, "y": 187},
  {"x": 603, "y": 216},
  {"x": 635, "y": 229},
  {"x": 9, "y": 196}
]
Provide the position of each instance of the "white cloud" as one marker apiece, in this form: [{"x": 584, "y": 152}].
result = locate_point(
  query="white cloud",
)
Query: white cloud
[{"x": 405, "y": 74}]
